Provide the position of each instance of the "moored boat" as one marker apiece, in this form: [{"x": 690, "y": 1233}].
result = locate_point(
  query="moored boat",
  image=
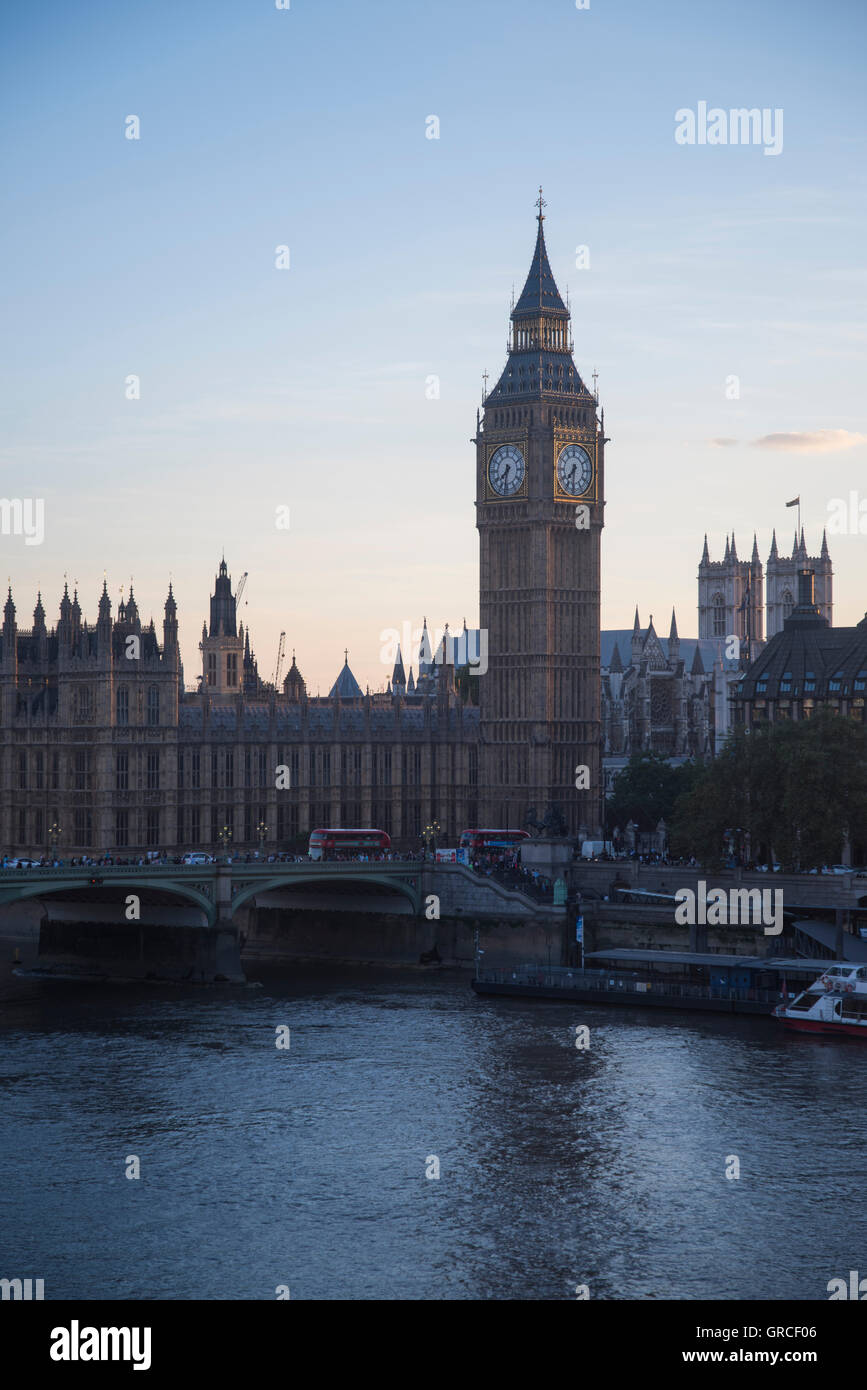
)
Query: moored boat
[{"x": 834, "y": 1003}]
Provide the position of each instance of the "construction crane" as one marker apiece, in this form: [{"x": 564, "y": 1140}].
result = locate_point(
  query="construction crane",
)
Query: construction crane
[
  {"x": 240, "y": 588},
  {"x": 281, "y": 650}
]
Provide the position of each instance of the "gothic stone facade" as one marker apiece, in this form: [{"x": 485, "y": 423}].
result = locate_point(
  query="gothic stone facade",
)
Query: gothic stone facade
[
  {"x": 661, "y": 700},
  {"x": 104, "y": 750}
]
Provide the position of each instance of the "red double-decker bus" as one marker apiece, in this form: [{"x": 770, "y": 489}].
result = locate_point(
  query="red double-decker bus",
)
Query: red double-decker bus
[
  {"x": 347, "y": 841},
  {"x": 486, "y": 840}
]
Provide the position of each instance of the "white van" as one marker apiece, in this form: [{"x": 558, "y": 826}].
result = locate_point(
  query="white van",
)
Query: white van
[{"x": 197, "y": 857}]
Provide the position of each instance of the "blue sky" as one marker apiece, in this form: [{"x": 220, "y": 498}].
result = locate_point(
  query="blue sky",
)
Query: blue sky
[{"x": 305, "y": 387}]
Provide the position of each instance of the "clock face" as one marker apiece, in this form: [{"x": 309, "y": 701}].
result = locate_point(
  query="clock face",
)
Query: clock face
[
  {"x": 574, "y": 470},
  {"x": 506, "y": 470}
]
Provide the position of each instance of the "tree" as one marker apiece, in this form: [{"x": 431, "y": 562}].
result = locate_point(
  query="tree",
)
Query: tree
[
  {"x": 647, "y": 790},
  {"x": 797, "y": 790}
]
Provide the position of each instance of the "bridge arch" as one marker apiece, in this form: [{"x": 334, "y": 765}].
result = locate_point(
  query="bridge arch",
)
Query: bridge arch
[
  {"x": 291, "y": 880},
  {"x": 46, "y": 888}
]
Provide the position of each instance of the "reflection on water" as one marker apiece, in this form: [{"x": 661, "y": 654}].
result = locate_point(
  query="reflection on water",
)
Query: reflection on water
[{"x": 306, "y": 1166}]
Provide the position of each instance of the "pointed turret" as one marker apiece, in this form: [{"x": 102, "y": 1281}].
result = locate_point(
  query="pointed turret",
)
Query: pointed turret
[
  {"x": 64, "y": 626},
  {"x": 636, "y": 639},
  {"x": 9, "y": 624},
  {"x": 104, "y": 612},
  {"x": 774, "y": 554},
  {"x": 346, "y": 687},
  {"x": 223, "y": 606},
  {"x": 132, "y": 616},
  {"x": 540, "y": 351},
  {"x": 398, "y": 677},
  {"x": 425, "y": 655},
  {"x": 705, "y": 554},
  {"x": 293, "y": 686},
  {"x": 697, "y": 668},
  {"x": 39, "y": 617},
  {"x": 540, "y": 294},
  {"x": 754, "y": 558},
  {"x": 824, "y": 553},
  {"x": 733, "y": 555},
  {"x": 728, "y": 553},
  {"x": 615, "y": 666},
  {"x": 410, "y": 685},
  {"x": 170, "y": 621},
  {"x": 673, "y": 639}
]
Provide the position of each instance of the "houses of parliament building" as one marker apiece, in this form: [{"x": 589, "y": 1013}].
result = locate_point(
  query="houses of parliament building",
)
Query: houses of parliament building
[{"x": 104, "y": 750}]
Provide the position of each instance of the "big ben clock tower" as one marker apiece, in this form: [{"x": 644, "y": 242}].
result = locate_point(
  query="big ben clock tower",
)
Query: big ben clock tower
[{"x": 539, "y": 510}]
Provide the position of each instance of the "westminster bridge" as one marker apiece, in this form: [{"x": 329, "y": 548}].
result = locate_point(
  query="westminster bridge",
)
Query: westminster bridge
[{"x": 144, "y": 916}]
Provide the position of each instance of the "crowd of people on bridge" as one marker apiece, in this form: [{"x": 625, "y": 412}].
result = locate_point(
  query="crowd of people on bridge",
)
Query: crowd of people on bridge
[{"x": 507, "y": 869}]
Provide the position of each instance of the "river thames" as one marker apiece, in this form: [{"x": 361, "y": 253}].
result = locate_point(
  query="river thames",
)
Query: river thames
[{"x": 305, "y": 1166}]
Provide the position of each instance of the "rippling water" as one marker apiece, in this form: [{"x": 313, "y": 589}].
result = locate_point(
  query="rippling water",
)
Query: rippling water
[{"x": 306, "y": 1167}]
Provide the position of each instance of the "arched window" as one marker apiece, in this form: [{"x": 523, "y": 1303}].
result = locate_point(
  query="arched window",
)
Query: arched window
[
  {"x": 719, "y": 615},
  {"x": 122, "y": 705},
  {"x": 153, "y": 704}
]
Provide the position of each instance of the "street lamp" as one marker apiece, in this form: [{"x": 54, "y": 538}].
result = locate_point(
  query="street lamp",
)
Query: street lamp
[
  {"x": 224, "y": 837},
  {"x": 430, "y": 834},
  {"x": 53, "y": 838},
  {"x": 262, "y": 832}
]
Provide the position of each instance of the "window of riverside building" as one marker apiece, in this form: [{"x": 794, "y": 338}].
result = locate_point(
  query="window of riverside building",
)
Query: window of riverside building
[
  {"x": 861, "y": 680},
  {"x": 153, "y": 704},
  {"x": 294, "y": 768},
  {"x": 83, "y": 704},
  {"x": 195, "y": 770},
  {"x": 121, "y": 772},
  {"x": 37, "y": 827},
  {"x": 152, "y": 831},
  {"x": 83, "y": 827},
  {"x": 121, "y": 829},
  {"x": 153, "y": 772},
  {"x": 262, "y": 770},
  {"x": 786, "y": 683},
  {"x": 22, "y": 772},
  {"x": 22, "y": 828},
  {"x": 180, "y": 771},
  {"x": 81, "y": 777},
  {"x": 55, "y": 772},
  {"x": 212, "y": 668},
  {"x": 195, "y": 825},
  {"x": 248, "y": 768},
  {"x": 231, "y": 668},
  {"x": 473, "y": 767},
  {"x": 719, "y": 615},
  {"x": 214, "y": 768},
  {"x": 121, "y": 704},
  {"x": 230, "y": 768}
]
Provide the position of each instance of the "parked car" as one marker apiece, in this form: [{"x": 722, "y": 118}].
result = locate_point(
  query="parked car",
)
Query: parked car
[{"x": 198, "y": 857}]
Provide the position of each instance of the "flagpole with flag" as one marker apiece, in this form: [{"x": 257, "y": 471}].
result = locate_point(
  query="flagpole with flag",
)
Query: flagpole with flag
[{"x": 796, "y": 502}]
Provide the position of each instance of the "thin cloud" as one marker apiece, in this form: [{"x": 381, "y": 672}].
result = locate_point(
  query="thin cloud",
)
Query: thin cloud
[
  {"x": 812, "y": 441},
  {"x": 723, "y": 443}
]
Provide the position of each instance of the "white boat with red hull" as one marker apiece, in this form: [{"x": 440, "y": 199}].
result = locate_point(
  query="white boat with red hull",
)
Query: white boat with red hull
[{"x": 834, "y": 1003}]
